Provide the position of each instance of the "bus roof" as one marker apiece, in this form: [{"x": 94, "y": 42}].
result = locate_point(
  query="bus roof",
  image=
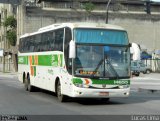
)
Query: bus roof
[{"x": 74, "y": 25}]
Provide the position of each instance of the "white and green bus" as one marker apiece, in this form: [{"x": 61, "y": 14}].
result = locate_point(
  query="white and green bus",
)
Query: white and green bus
[{"x": 79, "y": 60}]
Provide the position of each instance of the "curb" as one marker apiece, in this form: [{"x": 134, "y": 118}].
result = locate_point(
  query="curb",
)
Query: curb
[
  {"x": 152, "y": 90},
  {"x": 9, "y": 75}
]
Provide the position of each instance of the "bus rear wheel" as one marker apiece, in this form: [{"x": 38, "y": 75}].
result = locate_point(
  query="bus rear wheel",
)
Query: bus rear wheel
[
  {"x": 27, "y": 85},
  {"x": 61, "y": 97}
]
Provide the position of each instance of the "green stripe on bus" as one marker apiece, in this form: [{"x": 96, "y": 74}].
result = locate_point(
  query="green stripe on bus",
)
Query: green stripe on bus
[
  {"x": 54, "y": 60},
  {"x": 34, "y": 70},
  {"x": 101, "y": 81},
  {"x": 77, "y": 81},
  {"x": 32, "y": 60},
  {"x": 43, "y": 60},
  {"x": 111, "y": 82},
  {"x": 61, "y": 60},
  {"x": 23, "y": 60}
]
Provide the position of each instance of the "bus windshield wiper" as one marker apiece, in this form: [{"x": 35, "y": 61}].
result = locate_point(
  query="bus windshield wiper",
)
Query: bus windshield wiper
[
  {"x": 111, "y": 66},
  {"x": 113, "y": 69},
  {"x": 100, "y": 63}
]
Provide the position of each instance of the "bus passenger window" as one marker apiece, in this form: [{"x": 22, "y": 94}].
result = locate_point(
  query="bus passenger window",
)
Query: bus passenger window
[{"x": 59, "y": 40}]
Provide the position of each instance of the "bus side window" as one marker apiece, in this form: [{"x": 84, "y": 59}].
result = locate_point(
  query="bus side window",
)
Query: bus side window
[
  {"x": 32, "y": 44},
  {"x": 21, "y": 45},
  {"x": 26, "y": 45},
  {"x": 68, "y": 38},
  {"x": 37, "y": 42},
  {"x": 49, "y": 41},
  {"x": 46, "y": 40},
  {"x": 59, "y": 39},
  {"x": 43, "y": 42},
  {"x": 52, "y": 41}
]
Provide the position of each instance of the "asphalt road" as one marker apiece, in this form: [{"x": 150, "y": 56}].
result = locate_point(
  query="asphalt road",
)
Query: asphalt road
[{"x": 14, "y": 100}]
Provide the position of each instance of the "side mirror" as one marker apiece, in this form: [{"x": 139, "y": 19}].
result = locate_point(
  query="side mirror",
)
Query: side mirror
[
  {"x": 72, "y": 49},
  {"x": 130, "y": 45}
]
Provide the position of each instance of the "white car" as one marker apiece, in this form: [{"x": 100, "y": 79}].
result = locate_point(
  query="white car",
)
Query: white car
[{"x": 139, "y": 66}]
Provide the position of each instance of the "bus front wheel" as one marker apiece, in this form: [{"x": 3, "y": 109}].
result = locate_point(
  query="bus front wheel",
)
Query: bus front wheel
[
  {"x": 105, "y": 99},
  {"x": 61, "y": 97}
]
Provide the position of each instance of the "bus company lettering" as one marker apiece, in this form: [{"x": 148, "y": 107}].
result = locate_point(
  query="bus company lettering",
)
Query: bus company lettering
[
  {"x": 122, "y": 82},
  {"x": 50, "y": 71},
  {"x": 21, "y": 59},
  {"x": 54, "y": 61}
]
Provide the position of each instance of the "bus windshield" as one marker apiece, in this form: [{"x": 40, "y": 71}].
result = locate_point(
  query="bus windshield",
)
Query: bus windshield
[
  {"x": 101, "y": 57},
  {"x": 100, "y": 36},
  {"x": 102, "y": 61}
]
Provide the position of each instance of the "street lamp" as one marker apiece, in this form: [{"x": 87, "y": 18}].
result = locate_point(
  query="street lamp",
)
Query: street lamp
[{"x": 107, "y": 8}]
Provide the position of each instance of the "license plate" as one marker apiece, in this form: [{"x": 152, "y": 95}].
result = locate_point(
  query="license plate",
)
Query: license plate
[{"x": 104, "y": 93}]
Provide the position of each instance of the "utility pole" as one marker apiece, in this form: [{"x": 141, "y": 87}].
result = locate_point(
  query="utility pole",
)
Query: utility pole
[{"x": 107, "y": 8}]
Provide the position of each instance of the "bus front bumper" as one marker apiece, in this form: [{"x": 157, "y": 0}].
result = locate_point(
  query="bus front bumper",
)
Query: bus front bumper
[{"x": 100, "y": 93}]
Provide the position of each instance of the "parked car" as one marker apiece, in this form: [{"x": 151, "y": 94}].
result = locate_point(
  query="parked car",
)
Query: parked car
[{"x": 139, "y": 66}]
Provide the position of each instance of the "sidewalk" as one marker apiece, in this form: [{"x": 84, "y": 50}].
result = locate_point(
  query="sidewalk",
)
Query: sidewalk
[
  {"x": 9, "y": 74},
  {"x": 153, "y": 76},
  {"x": 146, "y": 82}
]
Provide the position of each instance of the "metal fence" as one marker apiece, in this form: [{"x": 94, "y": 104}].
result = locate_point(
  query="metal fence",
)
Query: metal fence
[
  {"x": 153, "y": 63},
  {"x": 9, "y": 67}
]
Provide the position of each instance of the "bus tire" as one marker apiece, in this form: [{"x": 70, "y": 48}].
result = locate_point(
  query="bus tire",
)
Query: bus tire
[
  {"x": 28, "y": 85},
  {"x": 148, "y": 71},
  {"x": 144, "y": 72},
  {"x": 137, "y": 74},
  {"x": 61, "y": 97},
  {"x": 105, "y": 99}
]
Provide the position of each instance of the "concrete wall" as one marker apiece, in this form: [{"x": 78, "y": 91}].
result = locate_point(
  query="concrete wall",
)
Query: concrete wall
[
  {"x": 5, "y": 10},
  {"x": 142, "y": 30}
]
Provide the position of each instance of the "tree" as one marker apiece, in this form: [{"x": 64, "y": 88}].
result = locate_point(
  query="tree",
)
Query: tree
[
  {"x": 11, "y": 24},
  {"x": 11, "y": 35},
  {"x": 89, "y": 6}
]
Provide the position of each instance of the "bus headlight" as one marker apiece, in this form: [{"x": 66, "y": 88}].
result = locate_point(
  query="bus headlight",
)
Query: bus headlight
[
  {"x": 81, "y": 85},
  {"x": 123, "y": 86}
]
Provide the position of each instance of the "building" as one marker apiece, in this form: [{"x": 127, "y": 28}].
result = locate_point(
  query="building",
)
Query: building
[
  {"x": 6, "y": 63},
  {"x": 142, "y": 26},
  {"x": 130, "y": 14}
]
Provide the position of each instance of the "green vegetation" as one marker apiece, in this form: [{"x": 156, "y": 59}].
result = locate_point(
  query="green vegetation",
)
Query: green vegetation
[
  {"x": 11, "y": 24},
  {"x": 89, "y": 7},
  {"x": 12, "y": 37}
]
